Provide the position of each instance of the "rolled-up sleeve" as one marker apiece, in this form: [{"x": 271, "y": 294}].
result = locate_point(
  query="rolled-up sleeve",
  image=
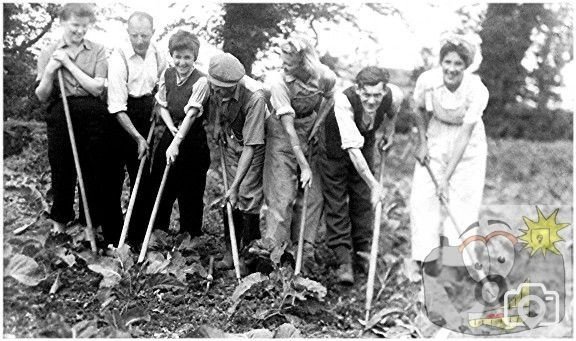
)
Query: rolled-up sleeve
[
  {"x": 478, "y": 99},
  {"x": 279, "y": 95},
  {"x": 199, "y": 95},
  {"x": 349, "y": 133},
  {"x": 117, "y": 84},
  {"x": 257, "y": 110},
  {"x": 161, "y": 94}
]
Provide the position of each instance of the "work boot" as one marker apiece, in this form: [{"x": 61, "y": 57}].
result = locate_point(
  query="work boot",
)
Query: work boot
[
  {"x": 362, "y": 261},
  {"x": 251, "y": 230},
  {"x": 345, "y": 274}
]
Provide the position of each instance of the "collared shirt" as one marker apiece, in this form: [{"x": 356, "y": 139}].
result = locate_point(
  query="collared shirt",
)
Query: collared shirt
[
  {"x": 244, "y": 114},
  {"x": 349, "y": 132},
  {"x": 91, "y": 58},
  {"x": 465, "y": 105},
  {"x": 290, "y": 95},
  {"x": 200, "y": 91},
  {"x": 132, "y": 75}
]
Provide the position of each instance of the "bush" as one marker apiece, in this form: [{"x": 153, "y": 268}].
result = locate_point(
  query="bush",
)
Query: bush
[{"x": 520, "y": 121}]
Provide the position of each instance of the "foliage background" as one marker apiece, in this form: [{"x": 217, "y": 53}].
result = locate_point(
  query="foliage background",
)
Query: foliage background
[{"x": 524, "y": 48}]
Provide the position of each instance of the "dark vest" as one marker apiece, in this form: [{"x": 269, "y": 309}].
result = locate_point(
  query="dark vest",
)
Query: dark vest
[
  {"x": 333, "y": 138},
  {"x": 177, "y": 98}
]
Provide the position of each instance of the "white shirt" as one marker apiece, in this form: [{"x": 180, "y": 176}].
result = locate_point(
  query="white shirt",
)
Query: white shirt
[
  {"x": 137, "y": 80},
  {"x": 465, "y": 105},
  {"x": 349, "y": 133}
]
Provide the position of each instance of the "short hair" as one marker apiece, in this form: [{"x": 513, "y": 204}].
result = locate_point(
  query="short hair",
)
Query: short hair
[
  {"x": 372, "y": 75},
  {"x": 182, "y": 40},
  {"x": 460, "y": 49},
  {"x": 80, "y": 10},
  {"x": 141, "y": 15}
]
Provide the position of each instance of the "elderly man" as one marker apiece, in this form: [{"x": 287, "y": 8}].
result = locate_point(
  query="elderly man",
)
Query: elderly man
[
  {"x": 360, "y": 112},
  {"x": 133, "y": 75},
  {"x": 239, "y": 108}
]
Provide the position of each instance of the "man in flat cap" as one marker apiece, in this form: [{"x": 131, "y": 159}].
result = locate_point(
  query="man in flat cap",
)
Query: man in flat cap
[{"x": 238, "y": 110}]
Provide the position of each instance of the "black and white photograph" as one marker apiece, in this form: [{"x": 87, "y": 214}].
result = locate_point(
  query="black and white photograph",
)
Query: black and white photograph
[{"x": 351, "y": 169}]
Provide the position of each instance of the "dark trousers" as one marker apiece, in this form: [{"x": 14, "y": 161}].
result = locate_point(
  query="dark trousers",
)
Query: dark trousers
[
  {"x": 139, "y": 112},
  {"x": 186, "y": 182},
  {"x": 348, "y": 210},
  {"x": 90, "y": 121}
]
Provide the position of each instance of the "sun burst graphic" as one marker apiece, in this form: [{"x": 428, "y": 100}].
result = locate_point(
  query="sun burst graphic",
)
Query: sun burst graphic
[{"x": 542, "y": 234}]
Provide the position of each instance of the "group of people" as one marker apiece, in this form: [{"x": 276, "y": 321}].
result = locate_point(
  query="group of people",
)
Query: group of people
[{"x": 293, "y": 136}]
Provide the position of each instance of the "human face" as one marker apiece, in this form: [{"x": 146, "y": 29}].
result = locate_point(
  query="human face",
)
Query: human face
[
  {"x": 75, "y": 29},
  {"x": 140, "y": 32},
  {"x": 223, "y": 92},
  {"x": 453, "y": 67},
  {"x": 183, "y": 61},
  {"x": 292, "y": 65},
  {"x": 371, "y": 96}
]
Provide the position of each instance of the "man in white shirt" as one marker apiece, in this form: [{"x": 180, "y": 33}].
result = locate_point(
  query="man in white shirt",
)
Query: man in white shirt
[
  {"x": 133, "y": 75},
  {"x": 350, "y": 190}
]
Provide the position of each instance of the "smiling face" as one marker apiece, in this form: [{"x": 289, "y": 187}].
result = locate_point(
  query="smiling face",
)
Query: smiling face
[
  {"x": 140, "y": 32},
  {"x": 184, "y": 61},
  {"x": 75, "y": 29},
  {"x": 371, "y": 96},
  {"x": 453, "y": 67}
]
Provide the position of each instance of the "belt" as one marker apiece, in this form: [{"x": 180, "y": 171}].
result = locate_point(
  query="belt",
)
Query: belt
[
  {"x": 446, "y": 122},
  {"x": 141, "y": 97}
]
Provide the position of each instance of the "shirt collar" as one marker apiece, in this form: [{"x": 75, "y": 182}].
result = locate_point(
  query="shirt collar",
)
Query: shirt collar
[
  {"x": 129, "y": 50},
  {"x": 85, "y": 43}
]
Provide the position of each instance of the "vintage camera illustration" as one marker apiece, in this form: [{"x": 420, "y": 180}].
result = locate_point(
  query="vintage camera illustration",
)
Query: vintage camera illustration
[{"x": 497, "y": 280}]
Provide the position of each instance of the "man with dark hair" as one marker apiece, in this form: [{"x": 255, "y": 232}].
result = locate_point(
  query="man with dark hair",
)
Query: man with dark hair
[
  {"x": 350, "y": 190},
  {"x": 134, "y": 71}
]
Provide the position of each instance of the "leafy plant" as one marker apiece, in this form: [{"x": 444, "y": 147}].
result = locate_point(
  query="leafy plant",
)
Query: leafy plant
[{"x": 25, "y": 270}]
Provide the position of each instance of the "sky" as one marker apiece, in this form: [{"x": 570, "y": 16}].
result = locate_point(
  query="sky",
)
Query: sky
[{"x": 399, "y": 39}]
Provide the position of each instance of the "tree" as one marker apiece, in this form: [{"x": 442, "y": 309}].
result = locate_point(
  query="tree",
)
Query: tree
[
  {"x": 24, "y": 25},
  {"x": 512, "y": 34}
]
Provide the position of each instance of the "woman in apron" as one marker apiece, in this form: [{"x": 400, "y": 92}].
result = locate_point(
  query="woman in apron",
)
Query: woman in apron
[{"x": 454, "y": 145}]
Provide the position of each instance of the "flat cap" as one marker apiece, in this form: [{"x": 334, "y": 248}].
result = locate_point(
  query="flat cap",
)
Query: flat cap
[{"x": 225, "y": 70}]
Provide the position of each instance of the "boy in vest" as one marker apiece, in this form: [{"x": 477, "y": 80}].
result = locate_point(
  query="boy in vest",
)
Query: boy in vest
[
  {"x": 359, "y": 112},
  {"x": 239, "y": 108},
  {"x": 182, "y": 96},
  {"x": 133, "y": 75}
]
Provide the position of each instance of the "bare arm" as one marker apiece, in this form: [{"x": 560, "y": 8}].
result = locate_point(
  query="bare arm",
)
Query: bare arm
[
  {"x": 359, "y": 162},
  {"x": 243, "y": 166},
  {"x": 165, "y": 115},
  {"x": 288, "y": 124},
  {"x": 128, "y": 126},
  {"x": 94, "y": 86},
  {"x": 191, "y": 116},
  {"x": 46, "y": 85}
]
